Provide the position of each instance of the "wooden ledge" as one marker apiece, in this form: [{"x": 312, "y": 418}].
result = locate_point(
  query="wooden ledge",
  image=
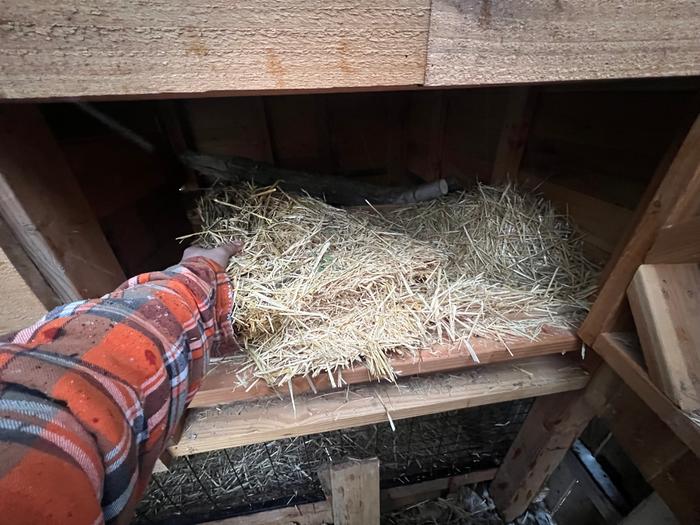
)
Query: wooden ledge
[
  {"x": 226, "y": 384},
  {"x": 266, "y": 420},
  {"x": 621, "y": 352}
]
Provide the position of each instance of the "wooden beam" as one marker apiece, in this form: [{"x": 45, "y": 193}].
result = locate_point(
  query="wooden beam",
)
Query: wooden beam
[
  {"x": 621, "y": 353},
  {"x": 227, "y": 384},
  {"x": 552, "y": 425},
  {"x": 52, "y": 50},
  {"x": 666, "y": 308},
  {"x": 664, "y": 461},
  {"x": 676, "y": 243},
  {"x": 355, "y": 490},
  {"x": 514, "y": 134},
  {"x": 245, "y": 423},
  {"x": 309, "y": 514},
  {"x": 43, "y": 205},
  {"x": 502, "y": 42},
  {"x": 676, "y": 199}
]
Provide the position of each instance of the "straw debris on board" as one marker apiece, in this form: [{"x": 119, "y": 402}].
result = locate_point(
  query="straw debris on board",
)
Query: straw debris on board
[{"x": 320, "y": 288}]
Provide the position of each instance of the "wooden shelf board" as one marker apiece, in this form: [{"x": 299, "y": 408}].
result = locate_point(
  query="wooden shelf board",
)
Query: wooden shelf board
[
  {"x": 226, "y": 383},
  {"x": 621, "y": 352},
  {"x": 265, "y": 420}
]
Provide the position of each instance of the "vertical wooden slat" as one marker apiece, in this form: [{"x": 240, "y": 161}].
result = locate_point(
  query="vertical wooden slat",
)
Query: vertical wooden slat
[
  {"x": 355, "y": 490},
  {"x": 514, "y": 134}
]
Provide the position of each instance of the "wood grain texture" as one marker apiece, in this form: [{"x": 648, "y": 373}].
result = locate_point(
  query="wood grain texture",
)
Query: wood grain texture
[
  {"x": 108, "y": 47},
  {"x": 664, "y": 461},
  {"x": 44, "y": 207},
  {"x": 676, "y": 199},
  {"x": 621, "y": 352},
  {"x": 244, "y": 423},
  {"x": 499, "y": 42},
  {"x": 227, "y": 384},
  {"x": 309, "y": 514},
  {"x": 666, "y": 308},
  {"x": 19, "y": 306},
  {"x": 677, "y": 243},
  {"x": 552, "y": 425},
  {"x": 355, "y": 492}
]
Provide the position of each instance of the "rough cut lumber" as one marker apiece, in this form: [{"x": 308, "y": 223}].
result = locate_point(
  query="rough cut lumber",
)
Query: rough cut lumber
[
  {"x": 552, "y": 425},
  {"x": 309, "y": 514},
  {"x": 24, "y": 294},
  {"x": 225, "y": 384},
  {"x": 355, "y": 492},
  {"x": 109, "y": 47},
  {"x": 246, "y": 423},
  {"x": 676, "y": 199},
  {"x": 499, "y": 42},
  {"x": 677, "y": 243},
  {"x": 666, "y": 464},
  {"x": 620, "y": 352},
  {"x": 43, "y": 206},
  {"x": 19, "y": 306},
  {"x": 665, "y": 303}
]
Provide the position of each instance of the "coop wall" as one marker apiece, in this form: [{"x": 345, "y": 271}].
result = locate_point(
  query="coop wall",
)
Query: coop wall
[{"x": 591, "y": 148}]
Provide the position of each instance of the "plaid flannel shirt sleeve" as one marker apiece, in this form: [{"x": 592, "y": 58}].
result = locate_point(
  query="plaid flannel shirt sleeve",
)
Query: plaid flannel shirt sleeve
[{"x": 90, "y": 394}]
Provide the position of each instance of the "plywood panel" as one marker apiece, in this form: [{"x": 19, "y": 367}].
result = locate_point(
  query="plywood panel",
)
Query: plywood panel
[
  {"x": 500, "y": 41},
  {"x": 110, "y": 47}
]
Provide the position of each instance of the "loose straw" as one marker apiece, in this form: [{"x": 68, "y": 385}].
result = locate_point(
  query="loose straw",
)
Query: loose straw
[{"x": 321, "y": 288}]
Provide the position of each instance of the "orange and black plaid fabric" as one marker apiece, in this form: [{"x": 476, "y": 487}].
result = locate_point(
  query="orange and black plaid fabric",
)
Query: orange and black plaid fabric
[{"x": 90, "y": 393}]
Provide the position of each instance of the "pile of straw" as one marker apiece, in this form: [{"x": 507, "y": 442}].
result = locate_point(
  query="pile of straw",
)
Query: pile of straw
[{"x": 319, "y": 288}]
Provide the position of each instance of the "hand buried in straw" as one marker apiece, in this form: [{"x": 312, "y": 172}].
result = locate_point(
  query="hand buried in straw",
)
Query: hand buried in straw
[{"x": 220, "y": 254}]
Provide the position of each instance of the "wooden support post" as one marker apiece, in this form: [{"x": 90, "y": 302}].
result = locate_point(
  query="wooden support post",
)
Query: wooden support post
[
  {"x": 551, "y": 427},
  {"x": 514, "y": 134},
  {"x": 676, "y": 199},
  {"x": 355, "y": 490},
  {"x": 43, "y": 206}
]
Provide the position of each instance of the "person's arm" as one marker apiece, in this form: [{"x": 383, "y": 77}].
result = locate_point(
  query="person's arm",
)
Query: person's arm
[{"x": 90, "y": 394}]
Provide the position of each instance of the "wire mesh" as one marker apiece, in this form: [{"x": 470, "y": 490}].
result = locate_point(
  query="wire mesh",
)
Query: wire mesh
[{"x": 252, "y": 478}]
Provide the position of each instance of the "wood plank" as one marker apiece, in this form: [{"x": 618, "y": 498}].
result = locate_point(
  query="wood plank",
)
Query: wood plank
[
  {"x": 552, "y": 425},
  {"x": 664, "y": 461},
  {"x": 677, "y": 243},
  {"x": 43, "y": 205},
  {"x": 355, "y": 490},
  {"x": 676, "y": 199},
  {"x": 666, "y": 308},
  {"x": 500, "y": 42},
  {"x": 244, "y": 423},
  {"x": 320, "y": 513},
  {"x": 227, "y": 384},
  {"x": 397, "y": 497},
  {"x": 514, "y": 134},
  {"x": 620, "y": 351},
  {"x": 309, "y": 514},
  {"x": 19, "y": 306},
  {"x": 58, "y": 50}
]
